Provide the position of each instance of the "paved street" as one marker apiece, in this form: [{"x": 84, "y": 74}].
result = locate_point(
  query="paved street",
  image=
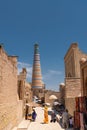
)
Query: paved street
[{"x": 39, "y": 125}]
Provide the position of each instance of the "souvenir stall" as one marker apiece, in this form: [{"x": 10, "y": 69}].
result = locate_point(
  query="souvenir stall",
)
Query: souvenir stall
[{"x": 80, "y": 114}]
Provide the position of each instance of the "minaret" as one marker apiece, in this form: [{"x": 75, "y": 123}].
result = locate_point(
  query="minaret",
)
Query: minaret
[{"x": 36, "y": 73}]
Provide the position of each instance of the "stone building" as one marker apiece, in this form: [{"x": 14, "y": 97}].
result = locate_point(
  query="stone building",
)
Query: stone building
[
  {"x": 15, "y": 92},
  {"x": 24, "y": 88},
  {"x": 72, "y": 76},
  {"x": 48, "y": 93},
  {"x": 21, "y": 83},
  {"x": 28, "y": 93},
  {"x": 83, "y": 65},
  {"x": 10, "y": 105},
  {"x": 24, "y": 92}
]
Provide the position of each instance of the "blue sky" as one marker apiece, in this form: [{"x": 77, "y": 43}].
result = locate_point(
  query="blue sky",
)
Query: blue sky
[{"x": 54, "y": 25}]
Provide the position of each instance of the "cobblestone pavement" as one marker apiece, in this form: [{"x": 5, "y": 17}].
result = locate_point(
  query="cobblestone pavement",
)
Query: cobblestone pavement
[{"x": 39, "y": 125}]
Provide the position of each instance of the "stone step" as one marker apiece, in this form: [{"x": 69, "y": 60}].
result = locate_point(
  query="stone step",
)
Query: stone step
[
  {"x": 15, "y": 128},
  {"x": 23, "y": 125}
]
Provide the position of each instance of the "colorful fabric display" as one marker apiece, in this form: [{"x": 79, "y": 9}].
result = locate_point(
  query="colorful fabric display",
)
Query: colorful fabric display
[
  {"x": 76, "y": 119},
  {"x": 77, "y": 104},
  {"x": 81, "y": 121}
]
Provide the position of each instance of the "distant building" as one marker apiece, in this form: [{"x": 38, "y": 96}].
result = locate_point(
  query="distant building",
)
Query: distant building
[
  {"x": 48, "y": 93},
  {"x": 24, "y": 88}
]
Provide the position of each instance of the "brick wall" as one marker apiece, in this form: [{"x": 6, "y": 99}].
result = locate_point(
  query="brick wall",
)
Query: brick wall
[
  {"x": 73, "y": 87},
  {"x": 10, "y": 115},
  {"x": 72, "y": 90},
  {"x": 48, "y": 93},
  {"x": 84, "y": 78},
  {"x": 8, "y": 91},
  {"x": 8, "y": 78},
  {"x": 70, "y": 105}
]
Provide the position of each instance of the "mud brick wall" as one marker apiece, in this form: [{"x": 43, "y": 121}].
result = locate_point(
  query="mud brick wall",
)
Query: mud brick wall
[
  {"x": 8, "y": 78},
  {"x": 10, "y": 115},
  {"x": 9, "y": 105}
]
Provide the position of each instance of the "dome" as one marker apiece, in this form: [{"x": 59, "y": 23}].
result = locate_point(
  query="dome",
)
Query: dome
[
  {"x": 83, "y": 60},
  {"x": 62, "y": 84}
]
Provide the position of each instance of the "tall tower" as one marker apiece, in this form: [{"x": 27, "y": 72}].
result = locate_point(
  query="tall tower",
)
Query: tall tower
[{"x": 36, "y": 74}]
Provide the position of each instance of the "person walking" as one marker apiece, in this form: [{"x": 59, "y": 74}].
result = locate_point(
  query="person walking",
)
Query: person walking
[
  {"x": 65, "y": 119},
  {"x": 53, "y": 117},
  {"x": 46, "y": 114},
  {"x": 71, "y": 120},
  {"x": 34, "y": 114}
]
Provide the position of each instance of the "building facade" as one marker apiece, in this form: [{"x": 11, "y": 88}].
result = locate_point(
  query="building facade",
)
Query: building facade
[
  {"x": 24, "y": 88},
  {"x": 84, "y": 78},
  {"x": 72, "y": 75},
  {"x": 48, "y": 93},
  {"x": 10, "y": 105}
]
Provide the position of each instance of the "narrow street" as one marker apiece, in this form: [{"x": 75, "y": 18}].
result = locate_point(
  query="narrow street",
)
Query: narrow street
[{"x": 39, "y": 125}]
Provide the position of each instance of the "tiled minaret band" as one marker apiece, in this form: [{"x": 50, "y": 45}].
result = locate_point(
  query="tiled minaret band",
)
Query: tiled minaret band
[{"x": 36, "y": 74}]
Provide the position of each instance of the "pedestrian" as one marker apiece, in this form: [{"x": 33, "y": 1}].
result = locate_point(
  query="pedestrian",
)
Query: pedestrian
[
  {"x": 85, "y": 120},
  {"x": 53, "y": 117},
  {"x": 34, "y": 114},
  {"x": 65, "y": 119},
  {"x": 71, "y": 122},
  {"x": 46, "y": 114}
]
